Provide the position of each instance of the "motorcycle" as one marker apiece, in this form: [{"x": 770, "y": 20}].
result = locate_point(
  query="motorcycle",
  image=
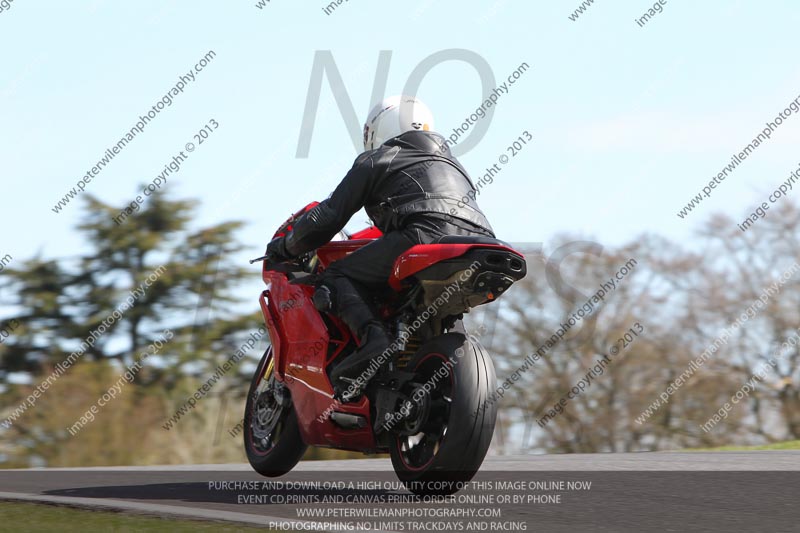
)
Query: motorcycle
[{"x": 425, "y": 402}]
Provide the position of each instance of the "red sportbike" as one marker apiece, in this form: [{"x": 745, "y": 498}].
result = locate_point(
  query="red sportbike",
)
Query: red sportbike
[{"x": 420, "y": 405}]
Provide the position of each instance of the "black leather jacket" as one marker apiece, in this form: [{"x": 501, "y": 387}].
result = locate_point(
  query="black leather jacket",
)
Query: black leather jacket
[{"x": 410, "y": 175}]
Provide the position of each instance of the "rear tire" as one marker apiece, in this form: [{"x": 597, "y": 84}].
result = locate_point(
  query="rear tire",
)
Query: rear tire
[
  {"x": 272, "y": 438},
  {"x": 450, "y": 448}
]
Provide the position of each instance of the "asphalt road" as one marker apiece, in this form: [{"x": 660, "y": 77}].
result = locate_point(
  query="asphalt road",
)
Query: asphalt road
[{"x": 727, "y": 491}]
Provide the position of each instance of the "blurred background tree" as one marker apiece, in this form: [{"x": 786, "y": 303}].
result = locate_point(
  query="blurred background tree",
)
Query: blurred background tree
[
  {"x": 191, "y": 283},
  {"x": 683, "y": 300}
]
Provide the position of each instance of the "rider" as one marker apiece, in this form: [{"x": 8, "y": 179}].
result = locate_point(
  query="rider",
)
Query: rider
[{"x": 413, "y": 190}]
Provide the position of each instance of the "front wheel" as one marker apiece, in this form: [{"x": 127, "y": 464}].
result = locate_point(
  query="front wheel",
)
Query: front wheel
[
  {"x": 444, "y": 442},
  {"x": 272, "y": 439}
]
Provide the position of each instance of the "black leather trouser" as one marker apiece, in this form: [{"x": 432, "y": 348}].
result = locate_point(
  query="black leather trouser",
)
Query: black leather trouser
[{"x": 366, "y": 271}]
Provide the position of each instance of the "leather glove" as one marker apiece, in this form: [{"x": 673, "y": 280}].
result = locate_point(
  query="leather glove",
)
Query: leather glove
[{"x": 277, "y": 249}]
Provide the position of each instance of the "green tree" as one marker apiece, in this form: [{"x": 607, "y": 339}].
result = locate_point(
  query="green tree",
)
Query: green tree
[{"x": 183, "y": 279}]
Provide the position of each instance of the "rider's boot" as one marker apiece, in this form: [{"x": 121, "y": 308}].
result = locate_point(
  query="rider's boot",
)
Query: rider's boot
[
  {"x": 349, "y": 377},
  {"x": 352, "y": 374}
]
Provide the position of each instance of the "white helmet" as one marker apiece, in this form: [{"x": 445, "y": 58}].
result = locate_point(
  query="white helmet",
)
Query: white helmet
[{"x": 394, "y": 116}]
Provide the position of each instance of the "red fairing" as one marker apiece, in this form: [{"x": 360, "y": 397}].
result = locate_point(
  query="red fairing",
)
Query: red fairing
[
  {"x": 421, "y": 256},
  {"x": 300, "y": 342},
  {"x": 371, "y": 232},
  {"x": 333, "y": 251}
]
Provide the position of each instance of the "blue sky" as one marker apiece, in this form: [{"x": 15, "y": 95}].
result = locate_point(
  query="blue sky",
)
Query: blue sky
[{"x": 629, "y": 122}]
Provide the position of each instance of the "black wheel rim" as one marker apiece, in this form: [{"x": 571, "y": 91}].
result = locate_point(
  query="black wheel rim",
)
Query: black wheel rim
[
  {"x": 418, "y": 451},
  {"x": 267, "y": 415}
]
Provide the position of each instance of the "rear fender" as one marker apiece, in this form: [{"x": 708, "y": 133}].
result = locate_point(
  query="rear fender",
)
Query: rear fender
[{"x": 492, "y": 257}]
